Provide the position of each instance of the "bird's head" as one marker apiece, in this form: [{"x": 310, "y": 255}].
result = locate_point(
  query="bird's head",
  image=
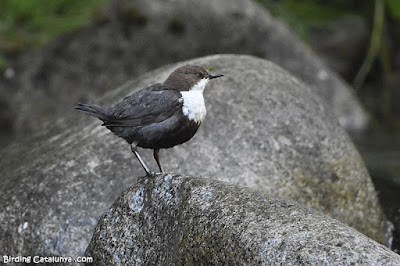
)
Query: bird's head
[{"x": 190, "y": 77}]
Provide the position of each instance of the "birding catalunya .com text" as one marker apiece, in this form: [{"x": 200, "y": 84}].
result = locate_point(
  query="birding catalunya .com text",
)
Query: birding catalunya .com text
[{"x": 44, "y": 259}]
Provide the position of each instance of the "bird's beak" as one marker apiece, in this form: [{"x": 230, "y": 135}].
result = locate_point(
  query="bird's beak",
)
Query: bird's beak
[{"x": 213, "y": 76}]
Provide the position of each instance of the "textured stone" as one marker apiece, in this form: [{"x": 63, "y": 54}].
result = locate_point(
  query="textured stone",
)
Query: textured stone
[
  {"x": 264, "y": 129},
  {"x": 179, "y": 220},
  {"x": 133, "y": 36}
]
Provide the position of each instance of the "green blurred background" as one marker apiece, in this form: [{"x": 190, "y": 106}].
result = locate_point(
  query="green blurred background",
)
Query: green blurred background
[{"x": 28, "y": 24}]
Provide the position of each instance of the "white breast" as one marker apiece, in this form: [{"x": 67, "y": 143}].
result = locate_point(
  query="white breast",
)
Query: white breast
[{"x": 193, "y": 102}]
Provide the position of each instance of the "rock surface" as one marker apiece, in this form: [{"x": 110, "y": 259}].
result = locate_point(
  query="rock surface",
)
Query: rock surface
[
  {"x": 179, "y": 220},
  {"x": 264, "y": 129},
  {"x": 132, "y": 37}
]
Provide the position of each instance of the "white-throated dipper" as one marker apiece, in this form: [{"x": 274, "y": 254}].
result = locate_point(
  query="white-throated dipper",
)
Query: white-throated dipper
[{"x": 160, "y": 116}]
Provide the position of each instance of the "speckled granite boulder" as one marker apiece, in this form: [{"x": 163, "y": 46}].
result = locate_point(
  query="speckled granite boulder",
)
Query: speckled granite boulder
[
  {"x": 264, "y": 129},
  {"x": 178, "y": 220}
]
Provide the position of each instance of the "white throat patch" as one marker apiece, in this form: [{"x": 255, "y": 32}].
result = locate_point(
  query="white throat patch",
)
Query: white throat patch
[{"x": 193, "y": 102}]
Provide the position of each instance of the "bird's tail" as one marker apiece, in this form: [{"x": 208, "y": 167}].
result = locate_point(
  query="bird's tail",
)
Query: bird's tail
[{"x": 93, "y": 110}]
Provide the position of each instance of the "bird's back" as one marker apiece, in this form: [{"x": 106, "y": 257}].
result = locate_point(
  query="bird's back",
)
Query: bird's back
[{"x": 151, "y": 118}]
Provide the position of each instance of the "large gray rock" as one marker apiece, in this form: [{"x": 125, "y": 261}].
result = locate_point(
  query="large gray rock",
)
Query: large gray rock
[
  {"x": 179, "y": 220},
  {"x": 264, "y": 129},
  {"x": 131, "y": 37}
]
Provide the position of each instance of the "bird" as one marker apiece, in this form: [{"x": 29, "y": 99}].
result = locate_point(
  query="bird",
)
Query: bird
[{"x": 160, "y": 116}]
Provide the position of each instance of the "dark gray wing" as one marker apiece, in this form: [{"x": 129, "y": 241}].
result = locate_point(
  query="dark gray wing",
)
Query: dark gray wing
[{"x": 151, "y": 105}]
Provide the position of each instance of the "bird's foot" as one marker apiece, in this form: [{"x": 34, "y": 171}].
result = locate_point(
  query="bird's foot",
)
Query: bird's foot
[{"x": 153, "y": 174}]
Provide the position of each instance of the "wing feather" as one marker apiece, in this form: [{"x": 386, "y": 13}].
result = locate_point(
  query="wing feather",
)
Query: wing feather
[{"x": 151, "y": 105}]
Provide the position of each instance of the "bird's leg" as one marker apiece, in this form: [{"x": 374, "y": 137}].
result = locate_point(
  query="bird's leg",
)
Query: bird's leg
[
  {"x": 157, "y": 158},
  {"x": 133, "y": 149}
]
